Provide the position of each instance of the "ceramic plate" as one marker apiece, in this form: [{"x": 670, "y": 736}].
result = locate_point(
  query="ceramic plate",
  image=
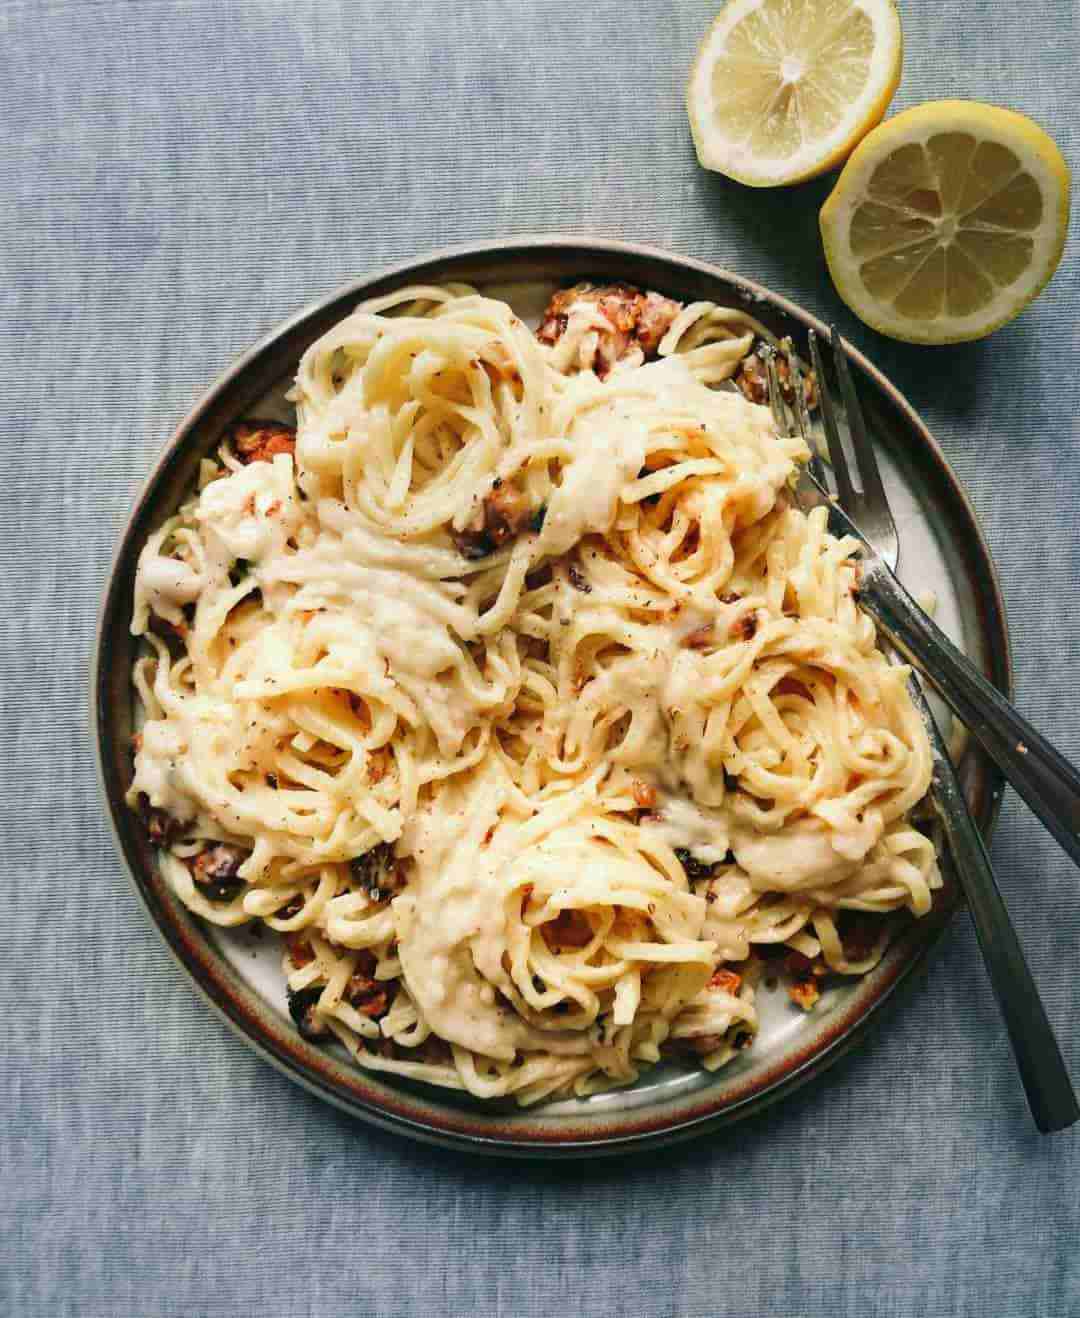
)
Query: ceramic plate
[{"x": 943, "y": 551}]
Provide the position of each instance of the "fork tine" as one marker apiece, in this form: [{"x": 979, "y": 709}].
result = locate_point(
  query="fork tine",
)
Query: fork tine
[
  {"x": 802, "y": 413},
  {"x": 867, "y": 473},
  {"x": 767, "y": 353},
  {"x": 837, "y": 457}
]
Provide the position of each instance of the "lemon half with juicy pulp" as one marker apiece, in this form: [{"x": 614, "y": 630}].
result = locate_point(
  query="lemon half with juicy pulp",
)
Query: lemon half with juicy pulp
[
  {"x": 782, "y": 90},
  {"x": 947, "y": 221}
]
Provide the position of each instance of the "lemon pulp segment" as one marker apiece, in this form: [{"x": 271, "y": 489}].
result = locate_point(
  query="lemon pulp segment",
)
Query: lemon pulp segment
[{"x": 947, "y": 221}]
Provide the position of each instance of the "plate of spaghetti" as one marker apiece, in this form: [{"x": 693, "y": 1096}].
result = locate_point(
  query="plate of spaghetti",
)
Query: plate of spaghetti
[{"x": 490, "y": 732}]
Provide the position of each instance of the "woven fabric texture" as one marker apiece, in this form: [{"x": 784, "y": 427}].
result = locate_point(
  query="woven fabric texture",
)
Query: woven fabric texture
[{"x": 176, "y": 176}]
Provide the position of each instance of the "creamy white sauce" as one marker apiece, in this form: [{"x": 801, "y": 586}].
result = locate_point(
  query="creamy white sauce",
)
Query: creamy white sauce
[
  {"x": 353, "y": 679},
  {"x": 160, "y": 769},
  {"x": 607, "y": 457},
  {"x": 682, "y": 823},
  {"x": 801, "y": 855},
  {"x": 252, "y": 513},
  {"x": 169, "y": 581},
  {"x": 453, "y": 920}
]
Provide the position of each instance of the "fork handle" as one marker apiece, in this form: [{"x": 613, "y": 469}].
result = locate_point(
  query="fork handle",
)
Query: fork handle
[
  {"x": 1042, "y": 775},
  {"x": 1038, "y": 1058}
]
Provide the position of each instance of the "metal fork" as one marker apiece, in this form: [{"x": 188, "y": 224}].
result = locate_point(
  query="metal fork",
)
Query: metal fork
[{"x": 864, "y": 512}]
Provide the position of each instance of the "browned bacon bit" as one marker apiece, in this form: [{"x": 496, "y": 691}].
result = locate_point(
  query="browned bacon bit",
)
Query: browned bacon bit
[
  {"x": 218, "y": 861},
  {"x": 745, "y": 627},
  {"x": 655, "y": 317},
  {"x": 751, "y": 379},
  {"x": 302, "y": 1010},
  {"x": 262, "y": 441},
  {"x": 300, "y": 953},
  {"x": 556, "y": 316},
  {"x": 578, "y": 579},
  {"x": 215, "y": 870},
  {"x": 366, "y": 995},
  {"x": 644, "y": 794},
  {"x": 730, "y": 598},
  {"x": 695, "y": 868},
  {"x": 503, "y": 515},
  {"x": 754, "y": 382},
  {"x": 506, "y": 513},
  {"x": 377, "y": 872},
  {"x": 638, "y": 320},
  {"x": 727, "y": 980},
  {"x": 699, "y": 638},
  {"x": 805, "y": 972},
  {"x": 804, "y": 993}
]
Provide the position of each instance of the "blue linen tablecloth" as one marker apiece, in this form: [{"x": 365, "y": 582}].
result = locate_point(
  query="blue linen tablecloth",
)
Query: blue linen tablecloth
[{"x": 175, "y": 178}]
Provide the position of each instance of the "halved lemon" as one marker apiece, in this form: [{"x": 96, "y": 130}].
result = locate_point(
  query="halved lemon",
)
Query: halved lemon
[
  {"x": 782, "y": 90},
  {"x": 947, "y": 221}
]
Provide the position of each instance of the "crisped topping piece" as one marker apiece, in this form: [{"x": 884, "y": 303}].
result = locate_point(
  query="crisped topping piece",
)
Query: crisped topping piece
[
  {"x": 502, "y": 516},
  {"x": 262, "y": 441},
  {"x": 216, "y": 871},
  {"x": 637, "y": 320}
]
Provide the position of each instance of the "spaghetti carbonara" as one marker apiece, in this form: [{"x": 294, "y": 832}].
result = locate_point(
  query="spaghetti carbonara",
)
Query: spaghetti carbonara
[{"x": 515, "y": 692}]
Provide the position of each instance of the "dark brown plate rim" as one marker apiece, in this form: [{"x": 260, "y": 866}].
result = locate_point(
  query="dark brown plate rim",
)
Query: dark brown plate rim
[{"x": 358, "y": 1092}]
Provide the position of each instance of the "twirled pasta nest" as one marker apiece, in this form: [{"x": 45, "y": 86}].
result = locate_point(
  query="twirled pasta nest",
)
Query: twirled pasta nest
[{"x": 514, "y": 691}]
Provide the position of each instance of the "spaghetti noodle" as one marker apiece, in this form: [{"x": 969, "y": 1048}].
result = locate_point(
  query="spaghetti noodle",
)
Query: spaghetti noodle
[{"x": 517, "y": 694}]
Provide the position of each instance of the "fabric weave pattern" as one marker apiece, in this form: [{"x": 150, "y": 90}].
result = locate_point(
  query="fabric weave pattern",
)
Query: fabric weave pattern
[{"x": 177, "y": 176}]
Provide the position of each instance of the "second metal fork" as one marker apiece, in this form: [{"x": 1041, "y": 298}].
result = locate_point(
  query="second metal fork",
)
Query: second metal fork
[{"x": 864, "y": 512}]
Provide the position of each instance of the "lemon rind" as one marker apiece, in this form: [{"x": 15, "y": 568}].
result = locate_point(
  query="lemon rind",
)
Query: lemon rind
[
  {"x": 868, "y": 112},
  {"x": 1039, "y": 155}
]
